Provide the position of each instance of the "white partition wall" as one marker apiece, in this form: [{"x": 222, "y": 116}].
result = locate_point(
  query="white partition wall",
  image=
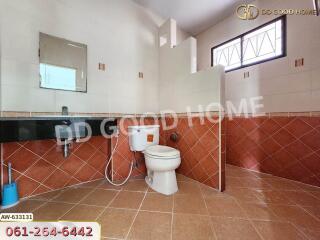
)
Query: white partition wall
[
  {"x": 181, "y": 87},
  {"x": 184, "y": 90}
]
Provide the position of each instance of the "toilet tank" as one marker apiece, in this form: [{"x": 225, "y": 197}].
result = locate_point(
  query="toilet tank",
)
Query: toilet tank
[{"x": 141, "y": 137}]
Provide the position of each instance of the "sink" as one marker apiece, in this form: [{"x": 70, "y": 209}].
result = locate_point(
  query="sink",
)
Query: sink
[
  {"x": 67, "y": 132},
  {"x": 70, "y": 130}
]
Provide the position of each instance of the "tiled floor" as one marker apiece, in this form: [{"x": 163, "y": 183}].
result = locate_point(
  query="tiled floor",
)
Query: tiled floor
[{"x": 254, "y": 206}]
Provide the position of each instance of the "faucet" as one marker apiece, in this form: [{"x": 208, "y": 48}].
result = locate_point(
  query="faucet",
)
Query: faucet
[
  {"x": 64, "y": 110},
  {"x": 66, "y": 149}
]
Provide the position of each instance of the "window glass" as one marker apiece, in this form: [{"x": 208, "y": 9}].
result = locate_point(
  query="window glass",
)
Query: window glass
[
  {"x": 228, "y": 55},
  {"x": 264, "y": 43}
]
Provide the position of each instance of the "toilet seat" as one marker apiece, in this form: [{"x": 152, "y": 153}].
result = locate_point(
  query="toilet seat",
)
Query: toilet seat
[{"x": 162, "y": 152}]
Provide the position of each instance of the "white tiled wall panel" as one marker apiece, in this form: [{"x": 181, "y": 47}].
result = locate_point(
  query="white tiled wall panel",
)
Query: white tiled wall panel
[
  {"x": 120, "y": 34},
  {"x": 283, "y": 86}
]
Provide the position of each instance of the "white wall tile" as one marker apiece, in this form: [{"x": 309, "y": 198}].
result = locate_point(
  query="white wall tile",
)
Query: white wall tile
[
  {"x": 315, "y": 79},
  {"x": 299, "y": 82},
  {"x": 42, "y": 100},
  {"x": 20, "y": 73},
  {"x": 120, "y": 34},
  {"x": 17, "y": 98},
  {"x": 181, "y": 87},
  {"x": 284, "y": 86}
]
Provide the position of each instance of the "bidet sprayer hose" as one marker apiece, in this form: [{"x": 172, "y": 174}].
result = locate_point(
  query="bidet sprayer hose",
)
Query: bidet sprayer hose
[{"x": 110, "y": 160}]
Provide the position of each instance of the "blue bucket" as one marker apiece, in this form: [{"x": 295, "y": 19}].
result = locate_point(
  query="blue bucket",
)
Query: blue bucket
[{"x": 10, "y": 195}]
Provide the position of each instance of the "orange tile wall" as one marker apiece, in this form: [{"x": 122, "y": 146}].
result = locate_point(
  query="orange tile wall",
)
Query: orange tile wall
[
  {"x": 39, "y": 166},
  {"x": 198, "y": 145},
  {"x": 287, "y": 147},
  {"x": 199, "y": 148}
]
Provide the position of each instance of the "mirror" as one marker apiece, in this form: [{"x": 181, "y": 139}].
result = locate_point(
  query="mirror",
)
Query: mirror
[
  {"x": 316, "y": 4},
  {"x": 63, "y": 64}
]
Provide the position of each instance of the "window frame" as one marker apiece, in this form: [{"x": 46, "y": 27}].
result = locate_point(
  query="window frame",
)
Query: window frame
[{"x": 283, "y": 18}]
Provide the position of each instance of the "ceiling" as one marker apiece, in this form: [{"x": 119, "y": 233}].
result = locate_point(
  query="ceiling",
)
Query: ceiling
[{"x": 193, "y": 16}]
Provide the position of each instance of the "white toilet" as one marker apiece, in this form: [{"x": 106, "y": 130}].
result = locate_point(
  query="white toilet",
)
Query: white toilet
[{"x": 161, "y": 161}]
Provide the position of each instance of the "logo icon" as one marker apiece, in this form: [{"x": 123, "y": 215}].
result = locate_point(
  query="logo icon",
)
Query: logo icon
[{"x": 247, "y": 12}]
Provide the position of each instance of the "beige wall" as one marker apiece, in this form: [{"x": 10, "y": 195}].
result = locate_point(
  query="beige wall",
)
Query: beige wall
[
  {"x": 182, "y": 35},
  {"x": 120, "y": 34},
  {"x": 283, "y": 87},
  {"x": 174, "y": 34},
  {"x": 181, "y": 87}
]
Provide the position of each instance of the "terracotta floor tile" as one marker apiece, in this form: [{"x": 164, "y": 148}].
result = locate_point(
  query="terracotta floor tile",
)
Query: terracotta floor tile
[
  {"x": 226, "y": 208},
  {"x": 188, "y": 188},
  {"x": 189, "y": 226},
  {"x": 208, "y": 192},
  {"x": 136, "y": 185},
  {"x": 93, "y": 184},
  {"x": 255, "y": 183},
  {"x": 51, "y": 211},
  {"x": 106, "y": 185},
  {"x": 277, "y": 230},
  {"x": 25, "y": 206},
  {"x": 266, "y": 202},
  {"x": 48, "y": 195},
  {"x": 238, "y": 172},
  {"x": 243, "y": 194},
  {"x": 273, "y": 196},
  {"x": 307, "y": 187},
  {"x": 315, "y": 193},
  {"x": 182, "y": 178},
  {"x": 151, "y": 226},
  {"x": 258, "y": 211},
  {"x": 297, "y": 216},
  {"x": 157, "y": 202},
  {"x": 262, "y": 175},
  {"x": 282, "y": 184},
  {"x": 115, "y": 223},
  {"x": 311, "y": 235},
  {"x": 313, "y": 210},
  {"x": 231, "y": 229},
  {"x": 99, "y": 197},
  {"x": 73, "y": 195},
  {"x": 188, "y": 203},
  {"x": 83, "y": 213},
  {"x": 302, "y": 198},
  {"x": 234, "y": 182},
  {"x": 126, "y": 199}
]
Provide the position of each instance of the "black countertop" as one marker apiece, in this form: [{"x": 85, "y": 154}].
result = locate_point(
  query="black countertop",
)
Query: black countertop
[
  {"x": 15, "y": 129},
  {"x": 53, "y": 117}
]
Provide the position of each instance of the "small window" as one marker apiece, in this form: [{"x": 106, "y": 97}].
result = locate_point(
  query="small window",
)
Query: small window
[
  {"x": 228, "y": 55},
  {"x": 261, "y": 44}
]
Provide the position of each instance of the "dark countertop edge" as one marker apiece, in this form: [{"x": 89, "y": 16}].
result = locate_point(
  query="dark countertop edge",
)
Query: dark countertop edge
[{"x": 54, "y": 118}]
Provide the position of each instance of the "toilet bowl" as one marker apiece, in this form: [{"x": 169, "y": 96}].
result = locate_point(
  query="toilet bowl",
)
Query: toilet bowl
[{"x": 161, "y": 163}]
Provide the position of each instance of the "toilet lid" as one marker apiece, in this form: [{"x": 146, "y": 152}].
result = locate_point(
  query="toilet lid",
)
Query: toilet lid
[{"x": 162, "y": 151}]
